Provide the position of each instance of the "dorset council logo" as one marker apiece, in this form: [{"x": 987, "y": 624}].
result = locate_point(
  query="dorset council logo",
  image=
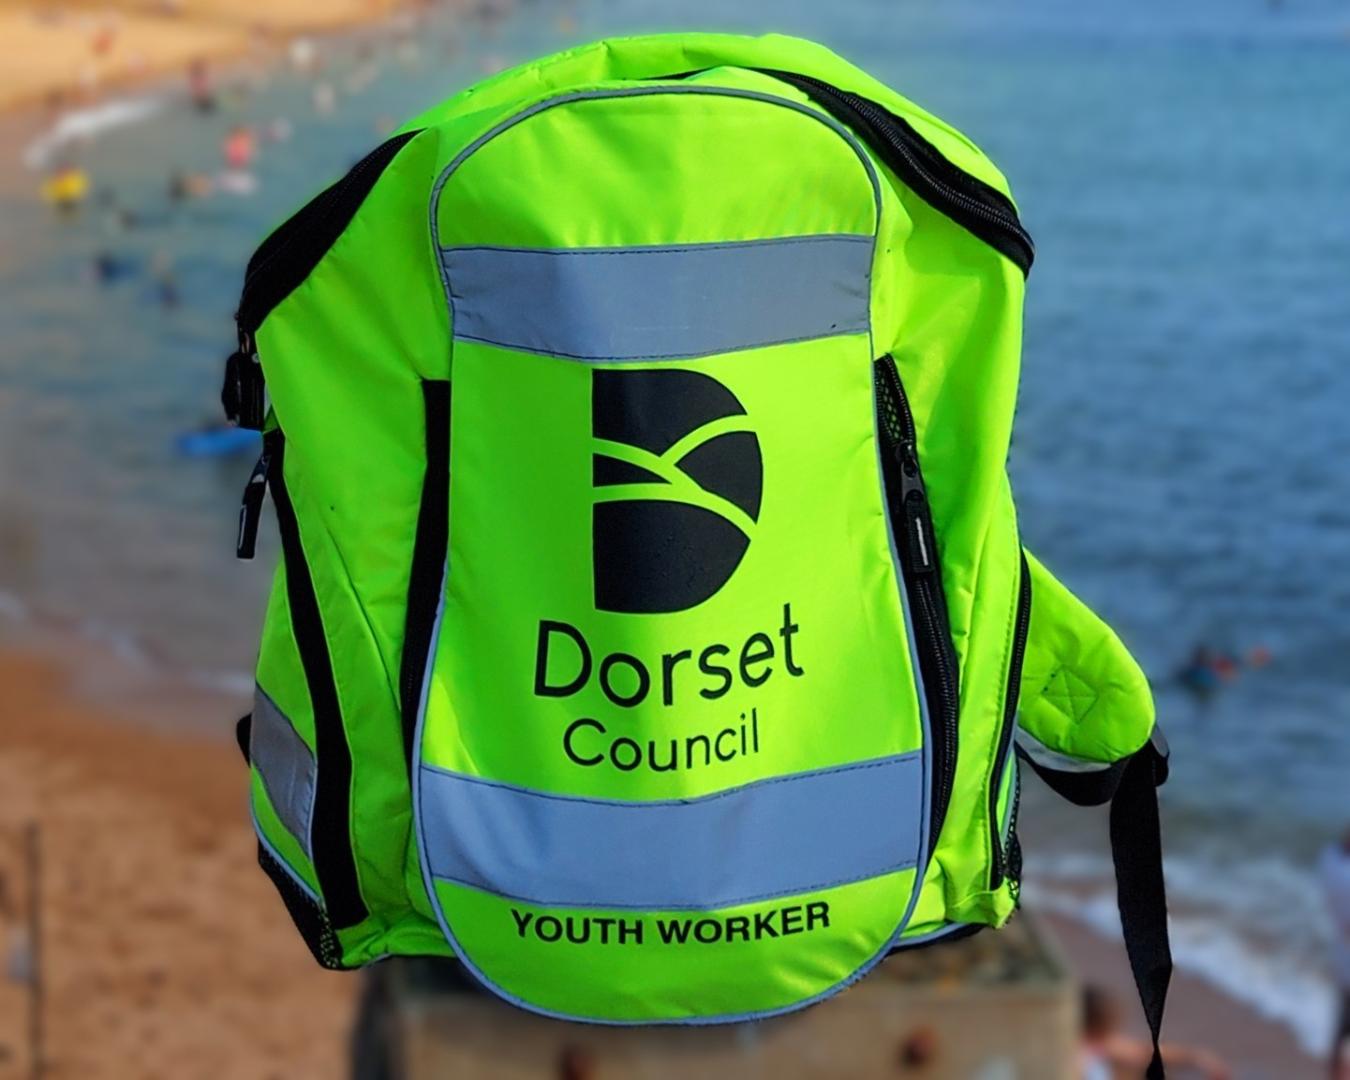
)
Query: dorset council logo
[{"x": 678, "y": 479}]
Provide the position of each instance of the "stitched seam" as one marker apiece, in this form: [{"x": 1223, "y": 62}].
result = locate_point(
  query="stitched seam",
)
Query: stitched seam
[
  {"x": 697, "y": 800},
  {"x": 674, "y": 249},
  {"x": 285, "y": 866},
  {"x": 643, "y": 357},
  {"x": 711, "y": 905},
  {"x": 815, "y": 113}
]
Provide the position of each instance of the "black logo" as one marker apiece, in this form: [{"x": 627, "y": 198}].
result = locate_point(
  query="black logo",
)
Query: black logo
[{"x": 678, "y": 478}]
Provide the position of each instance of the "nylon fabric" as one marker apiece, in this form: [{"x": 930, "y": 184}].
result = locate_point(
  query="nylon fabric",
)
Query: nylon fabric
[
  {"x": 1082, "y": 693},
  {"x": 616, "y": 646}
]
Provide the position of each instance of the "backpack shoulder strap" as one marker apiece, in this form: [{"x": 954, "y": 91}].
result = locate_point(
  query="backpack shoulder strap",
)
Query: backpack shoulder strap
[{"x": 1086, "y": 726}]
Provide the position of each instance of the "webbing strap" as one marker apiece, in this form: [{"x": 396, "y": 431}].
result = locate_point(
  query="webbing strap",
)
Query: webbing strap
[
  {"x": 1131, "y": 787},
  {"x": 1136, "y": 851}
]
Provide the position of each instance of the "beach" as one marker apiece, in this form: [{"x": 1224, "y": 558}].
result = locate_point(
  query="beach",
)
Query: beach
[
  {"x": 70, "y": 52},
  {"x": 1151, "y": 413},
  {"x": 167, "y": 952}
]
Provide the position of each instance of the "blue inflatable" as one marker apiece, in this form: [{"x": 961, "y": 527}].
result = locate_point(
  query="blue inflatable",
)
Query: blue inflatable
[{"x": 217, "y": 442}]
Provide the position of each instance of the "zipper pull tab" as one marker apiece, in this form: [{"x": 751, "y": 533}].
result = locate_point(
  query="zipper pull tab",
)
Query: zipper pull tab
[
  {"x": 919, "y": 536},
  {"x": 242, "y": 395},
  {"x": 250, "y": 506},
  {"x": 918, "y": 543}
]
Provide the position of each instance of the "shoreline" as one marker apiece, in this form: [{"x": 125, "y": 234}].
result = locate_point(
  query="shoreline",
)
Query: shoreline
[
  {"x": 1198, "y": 1012},
  {"x": 162, "y": 942},
  {"x": 151, "y": 881},
  {"x": 64, "y": 58}
]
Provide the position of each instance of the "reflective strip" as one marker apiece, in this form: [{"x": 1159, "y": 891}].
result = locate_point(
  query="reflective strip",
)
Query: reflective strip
[
  {"x": 285, "y": 867},
  {"x": 660, "y": 303},
  {"x": 1055, "y": 760},
  {"x": 286, "y": 765},
  {"x": 779, "y": 837}
]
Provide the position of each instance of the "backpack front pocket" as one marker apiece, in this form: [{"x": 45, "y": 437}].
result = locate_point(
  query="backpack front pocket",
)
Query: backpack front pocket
[
  {"x": 671, "y": 733},
  {"x": 672, "y": 760}
]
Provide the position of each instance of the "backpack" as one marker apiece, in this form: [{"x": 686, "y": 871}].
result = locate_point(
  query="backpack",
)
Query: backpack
[{"x": 652, "y": 631}]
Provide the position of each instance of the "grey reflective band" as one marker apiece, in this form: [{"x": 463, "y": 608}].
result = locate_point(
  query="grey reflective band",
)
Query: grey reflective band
[
  {"x": 286, "y": 766},
  {"x": 780, "y": 837},
  {"x": 660, "y": 303},
  {"x": 759, "y": 302},
  {"x": 1054, "y": 760}
]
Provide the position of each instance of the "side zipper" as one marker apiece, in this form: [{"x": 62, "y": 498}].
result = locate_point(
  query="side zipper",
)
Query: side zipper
[
  {"x": 330, "y": 839},
  {"x": 1001, "y": 864},
  {"x": 284, "y": 260},
  {"x": 916, "y": 544},
  {"x": 982, "y": 210}
]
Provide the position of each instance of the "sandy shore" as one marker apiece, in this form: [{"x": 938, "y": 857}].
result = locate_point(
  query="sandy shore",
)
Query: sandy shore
[
  {"x": 167, "y": 953},
  {"x": 69, "y": 52},
  {"x": 1197, "y": 1013},
  {"x": 165, "y": 945}
]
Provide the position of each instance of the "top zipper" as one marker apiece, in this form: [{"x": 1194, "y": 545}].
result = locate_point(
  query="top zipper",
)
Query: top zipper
[
  {"x": 916, "y": 544},
  {"x": 981, "y": 209},
  {"x": 295, "y": 247},
  {"x": 281, "y": 263}
]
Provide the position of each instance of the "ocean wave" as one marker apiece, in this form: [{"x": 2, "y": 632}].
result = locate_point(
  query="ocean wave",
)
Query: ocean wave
[
  {"x": 81, "y": 124},
  {"x": 1281, "y": 985},
  {"x": 128, "y": 647},
  {"x": 1260, "y": 891},
  {"x": 237, "y": 683},
  {"x": 121, "y": 643}
]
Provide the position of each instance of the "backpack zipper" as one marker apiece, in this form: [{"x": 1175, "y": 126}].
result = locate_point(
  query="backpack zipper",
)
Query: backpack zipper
[
  {"x": 282, "y": 261},
  {"x": 294, "y": 248},
  {"x": 916, "y": 544},
  {"x": 1000, "y": 864},
  {"x": 1012, "y": 856},
  {"x": 981, "y": 209}
]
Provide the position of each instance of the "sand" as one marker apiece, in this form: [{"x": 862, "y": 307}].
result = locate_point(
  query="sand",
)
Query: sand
[
  {"x": 168, "y": 953},
  {"x": 71, "y": 51},
  {"x": 166, "y": 950},
  {"x": 1197, "y": 1014}
]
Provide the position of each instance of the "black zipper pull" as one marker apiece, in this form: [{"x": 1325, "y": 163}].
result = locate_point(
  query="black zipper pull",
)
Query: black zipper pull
[
  {"x": 243, "y": 394},
  {"x": 250, "y": 506}
]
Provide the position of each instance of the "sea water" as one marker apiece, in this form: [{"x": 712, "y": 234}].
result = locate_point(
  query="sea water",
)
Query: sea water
[{"x": 1182, "y": 448}]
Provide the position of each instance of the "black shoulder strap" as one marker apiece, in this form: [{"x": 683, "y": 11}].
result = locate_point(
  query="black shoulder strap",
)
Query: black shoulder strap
[{"x": 1131, "y": 787}]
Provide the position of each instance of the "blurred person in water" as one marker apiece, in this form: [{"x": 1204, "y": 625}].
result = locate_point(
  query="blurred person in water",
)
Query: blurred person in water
[
  {"x": 1335, "y": 872},
  {"x": 1107, "y": 1053}
]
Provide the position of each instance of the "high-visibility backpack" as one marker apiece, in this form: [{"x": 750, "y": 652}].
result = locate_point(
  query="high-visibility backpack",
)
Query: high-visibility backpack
[{"x": 652, "y": 630}]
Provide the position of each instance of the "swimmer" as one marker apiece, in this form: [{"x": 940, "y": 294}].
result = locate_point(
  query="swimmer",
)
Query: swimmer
[
  {"x": 1106, "y": 1051},
  {"x": 1199, "y": 676},
  {"x": 66, "y": 188},
  {"x": 108, "y": 268},
  {"x": 201, "y": 87},
  {"x": 239, "y": 148},
  {"x": 183, "y": 186}
]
